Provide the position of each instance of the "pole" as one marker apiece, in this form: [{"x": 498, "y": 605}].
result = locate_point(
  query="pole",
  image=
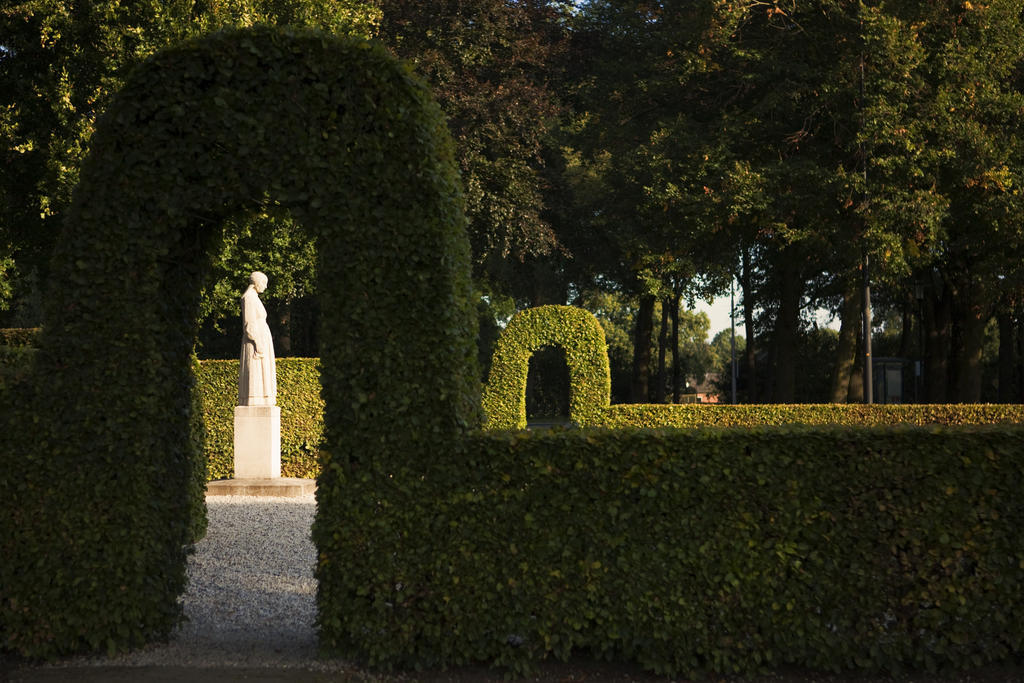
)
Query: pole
[
  {"x": 868, "y": 371},
  {"x": 732, "y": 327}
]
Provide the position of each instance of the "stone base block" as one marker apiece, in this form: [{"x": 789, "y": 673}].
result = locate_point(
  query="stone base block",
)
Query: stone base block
[
  {"x": 257, "y": 442},
  {"x": 283, "y": 487}
]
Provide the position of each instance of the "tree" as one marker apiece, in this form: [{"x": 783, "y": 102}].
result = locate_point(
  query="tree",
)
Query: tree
[
  {"x": 791, "y": 186},
  {"x": 942, "y": 131},
  {"x": 627, "y": 166},
  {"x": 490, "y": 64},
  {"x": 60, "y": 62}
]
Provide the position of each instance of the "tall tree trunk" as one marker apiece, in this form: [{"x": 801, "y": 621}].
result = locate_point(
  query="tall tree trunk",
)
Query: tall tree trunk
[
  {"x": 970, "y": 322},
  {"x": 677, "y": 365},
  {"x": 906, "y": 327},
  {"x": 284, "y": 326},
  {"x": 750, "y": 353},
  {"x": 1019, "y": 336},
  {"x": 846, "y": 348},
  {"x": 547, "y": 284},
  {"x": 642, "y": 349},
  {"x": 659, "y": 394},
  {"x": 855, "y": 388},
  {"x": 787, "y": 328},
  {"x": 938, "y": 329},
  {"x": 1006, "y": 356}
]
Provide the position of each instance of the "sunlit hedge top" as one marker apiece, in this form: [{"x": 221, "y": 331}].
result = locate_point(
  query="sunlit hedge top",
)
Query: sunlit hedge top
[{"x": 848, "y": 414}]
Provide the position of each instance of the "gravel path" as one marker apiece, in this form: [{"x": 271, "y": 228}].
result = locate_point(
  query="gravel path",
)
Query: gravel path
[{"x": 251, "y": 592}]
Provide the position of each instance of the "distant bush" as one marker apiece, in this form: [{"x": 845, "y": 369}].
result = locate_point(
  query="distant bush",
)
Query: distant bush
[{"x": 216, "y": 393}]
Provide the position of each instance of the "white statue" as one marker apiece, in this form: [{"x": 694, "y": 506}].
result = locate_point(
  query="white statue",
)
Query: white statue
[{"x": 257, "y": 378}]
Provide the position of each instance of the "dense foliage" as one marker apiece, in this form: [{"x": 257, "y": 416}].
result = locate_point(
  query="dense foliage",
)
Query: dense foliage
[
  {"x": 61, "y": 61},
  {"x": 489, "y": 63},
  {"x": 645, "y": 151},
  {"x": 349, "y": 141},
  {"x": 792, "y": 139},
  {"x": 572, "y": 329},
  {"x": 781, "y": 143}
]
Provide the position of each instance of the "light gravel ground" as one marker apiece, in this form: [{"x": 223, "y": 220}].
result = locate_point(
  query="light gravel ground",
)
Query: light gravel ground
[{"x": 251, "y": 593}]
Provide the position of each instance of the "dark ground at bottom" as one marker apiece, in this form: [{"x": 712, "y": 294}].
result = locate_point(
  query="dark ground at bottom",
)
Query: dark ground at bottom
[{"x": 582, "y": 671}]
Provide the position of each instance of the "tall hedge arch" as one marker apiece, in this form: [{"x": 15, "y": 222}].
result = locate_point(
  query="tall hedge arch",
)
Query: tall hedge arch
[
  {"x": 97, "y": 507},
  {"x": 580, "y": 334}
]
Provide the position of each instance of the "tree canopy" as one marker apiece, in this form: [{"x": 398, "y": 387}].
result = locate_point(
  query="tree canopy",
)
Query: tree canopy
[{"x": 646, "y": 152}]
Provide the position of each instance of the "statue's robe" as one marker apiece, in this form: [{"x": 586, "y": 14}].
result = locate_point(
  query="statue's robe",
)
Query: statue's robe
[{"x": 257, "y": 378}]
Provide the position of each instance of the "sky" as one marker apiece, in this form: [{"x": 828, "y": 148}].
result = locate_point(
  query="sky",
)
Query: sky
[{"x": 718, "y": 312}]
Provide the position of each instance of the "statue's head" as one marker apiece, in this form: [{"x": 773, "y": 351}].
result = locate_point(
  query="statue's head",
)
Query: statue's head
[{"x": 259, "y": 281}]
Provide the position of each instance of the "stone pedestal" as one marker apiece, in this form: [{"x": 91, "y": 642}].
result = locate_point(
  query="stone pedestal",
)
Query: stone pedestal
[
  {"x": 281, "y": 487},
  {"x": 257, "y": 442}
]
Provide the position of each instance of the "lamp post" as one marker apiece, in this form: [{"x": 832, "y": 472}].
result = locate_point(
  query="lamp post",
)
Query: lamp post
[
  {"x": 868, "y": 369},
  {"x": 732, "y": 328}
]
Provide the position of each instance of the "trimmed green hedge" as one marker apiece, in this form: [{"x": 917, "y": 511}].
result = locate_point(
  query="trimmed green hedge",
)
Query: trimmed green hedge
[
  {"x": 689, "y": 416},
  {"x": 19, "y": 336},
  {"x": 690, "y": 551},
  {"x": 302, "y": 417},
  {"x": 101, "y": 488},
  {"x": 579, "y": 333}
]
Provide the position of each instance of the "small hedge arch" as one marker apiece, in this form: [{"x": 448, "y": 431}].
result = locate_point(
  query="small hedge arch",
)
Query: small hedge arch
[
  {"x": 102, "y": 490},
  {"x": 580, "y": 334}
]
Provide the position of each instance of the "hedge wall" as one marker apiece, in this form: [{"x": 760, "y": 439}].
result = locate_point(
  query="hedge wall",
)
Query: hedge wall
[
  {"x": 98, "y": 500},
  {"x": 689, "y": 416},
  {"x": 302, "y": 417},
  {"x": 579, "y": 333},
  {"x": 716, "y": 550}
]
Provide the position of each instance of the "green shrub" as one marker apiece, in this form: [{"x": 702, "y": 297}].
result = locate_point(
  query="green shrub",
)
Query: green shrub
[
  {"x": 692, "y": 551},
  {"x": 19, "y": 336},
  {"x": 302, "y": 418},
  {"x": 575, "y": 330},
  {"x": 100, "y": 464},
  {"x": 688, "y": 416}
]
